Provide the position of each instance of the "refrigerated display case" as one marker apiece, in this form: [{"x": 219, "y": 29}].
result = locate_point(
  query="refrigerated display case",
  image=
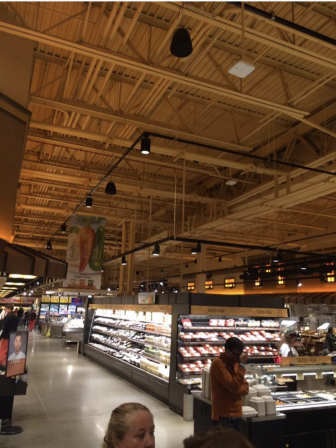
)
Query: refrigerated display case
[
  {"x": 134, "y": 340},
  {"x": 202, "y": 337}
]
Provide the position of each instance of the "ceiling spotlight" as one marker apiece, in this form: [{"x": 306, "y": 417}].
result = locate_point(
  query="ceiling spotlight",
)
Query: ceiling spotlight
[
  {"x": 123, "y": 260},
  {"x": 181, "y": 45},
  {"x": 196, "y": 250},
  {"x": 195, "y": 261},
  {"x": 277, "y": 257},
  {"x": 156, "y": 251},
  {"x": 230, "y": 182},
  {"x": 88, "y": 201},
  {"x": 304, "y": 266},
  {"x": 299, "y": 283},
  {"x": 63, "y": 228},
  {"x": 145, "y": 145},
  {"x": 187, "y": 266},
  {"x": 220, "y": 260},
  {"x": 110, "y": 189},
  {"x": 49, "y": 245}
]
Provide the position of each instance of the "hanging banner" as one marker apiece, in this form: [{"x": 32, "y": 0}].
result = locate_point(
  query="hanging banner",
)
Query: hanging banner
[{"x": 85, "y": 252}]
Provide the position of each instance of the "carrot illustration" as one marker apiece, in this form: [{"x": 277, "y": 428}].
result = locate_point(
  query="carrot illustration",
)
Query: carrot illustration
[{"x": 87, "y": 239}]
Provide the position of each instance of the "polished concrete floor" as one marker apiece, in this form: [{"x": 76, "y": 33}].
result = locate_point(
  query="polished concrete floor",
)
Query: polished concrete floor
[{"x": 70, "y": 399}]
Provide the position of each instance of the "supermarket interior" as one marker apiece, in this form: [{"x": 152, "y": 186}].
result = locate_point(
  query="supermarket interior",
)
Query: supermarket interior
[{"x": 167, "y": 187}]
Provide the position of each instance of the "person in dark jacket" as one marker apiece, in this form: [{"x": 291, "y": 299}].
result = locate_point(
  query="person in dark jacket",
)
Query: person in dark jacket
[
  {"x": 10, "y": 323},
  {"x": 330, "y": 340},
  {"x": 19, "y": 315}
]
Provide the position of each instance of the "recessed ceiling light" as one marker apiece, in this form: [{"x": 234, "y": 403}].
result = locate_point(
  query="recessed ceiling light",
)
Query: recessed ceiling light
[{"x": 21, "y": 276}]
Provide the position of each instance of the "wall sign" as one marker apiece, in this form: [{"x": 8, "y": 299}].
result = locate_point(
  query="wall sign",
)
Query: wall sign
[
  {"x": 238, "y": 311},
  {"x": 147, "y": 298},
  {"x": 152, "y": 308},
  {"x": 305, "y": 360}
]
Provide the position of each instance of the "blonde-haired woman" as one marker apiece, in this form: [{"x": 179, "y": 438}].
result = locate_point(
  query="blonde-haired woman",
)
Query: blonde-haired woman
[{"x": 131, "y": 426}]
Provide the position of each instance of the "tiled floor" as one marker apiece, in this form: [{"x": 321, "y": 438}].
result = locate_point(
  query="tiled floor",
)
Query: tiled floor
[{"x": 70, "y": 399}]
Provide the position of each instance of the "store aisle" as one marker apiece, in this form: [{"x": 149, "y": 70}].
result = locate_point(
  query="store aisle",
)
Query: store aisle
[{"x": 70, "y": 399}]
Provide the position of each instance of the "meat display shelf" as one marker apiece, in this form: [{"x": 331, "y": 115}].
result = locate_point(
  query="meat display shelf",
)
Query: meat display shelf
[
  {"x": 222, "y": 341},
  {"x": 131, "y": 320},
  {"x": 195, "y": 328}
]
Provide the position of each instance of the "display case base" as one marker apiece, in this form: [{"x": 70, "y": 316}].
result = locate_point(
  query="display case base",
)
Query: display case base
[{"x": 148, "y": 382}]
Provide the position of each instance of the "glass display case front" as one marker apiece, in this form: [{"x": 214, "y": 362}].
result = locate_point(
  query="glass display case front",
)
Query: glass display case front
[{"x": 139, "y": 338}]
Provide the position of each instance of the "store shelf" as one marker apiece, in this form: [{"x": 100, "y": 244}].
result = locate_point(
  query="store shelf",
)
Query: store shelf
[
  {"x": 130, "y": 320},
  {"x": 198, "y": 358},
  {"x": 222, "y": 342},
  {"x": 146, "y": 344},
  {"x": 151, "y": 376},
  {"x": 124, "y": 327},
  {"x": 97, "y": 341},
  {"x": 234, "y": 329}
]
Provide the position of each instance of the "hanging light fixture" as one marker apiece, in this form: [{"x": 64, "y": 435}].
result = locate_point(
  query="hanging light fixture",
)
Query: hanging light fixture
[
  {"x": 123, "y": 260},
  {"x": 49, "y": 245},
  {"x": 63, "y": 228},
  {"x": 145, "y": 145},
  {"x": 88, "y": 201},
  {"x": 220, "y": 260},
  {"x": 187, "y": 266},
  {"x": 181, "y": 45},
  {"x": 277, "y": 257},
  {"x": 156, "y": 251},
  {"x": 110, "y": 188},
  {"x": 196, "y": 250}
]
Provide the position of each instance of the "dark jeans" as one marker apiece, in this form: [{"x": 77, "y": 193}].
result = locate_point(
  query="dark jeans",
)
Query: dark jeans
[{"x": 229, "y": 422}]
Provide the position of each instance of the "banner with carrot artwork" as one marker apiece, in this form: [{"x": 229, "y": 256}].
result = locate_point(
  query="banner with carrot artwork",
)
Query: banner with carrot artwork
[{"x": 85, "y": 251}]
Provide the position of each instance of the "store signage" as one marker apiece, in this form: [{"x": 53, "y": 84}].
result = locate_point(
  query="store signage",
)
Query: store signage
[
  {"x": 305, "y": 360},
  {"x": 239, "y": 311},
  {"x": 147, "y": 298},
  {"x": 45, "y": 299},
  {"x": 144, "y": 308},
  {"x": 85, "y": 252},
  {"x": 11, "y": 300},
  {"x": 54, "y": 300},
  {"x": 64, "y": 300}
]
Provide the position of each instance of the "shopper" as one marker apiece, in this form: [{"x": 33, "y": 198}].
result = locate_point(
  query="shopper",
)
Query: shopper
[
  {"x": 26, "y": 318},
  {"x": 228, "y": 384},
  {"x": 10, "y": 324},
  {"x": 287, "y": 345},
  {"x": 131, "y": 426},
  {"x": 19, "y": 315},
  {"x": 330, "y": 340},
  {"x": 32, "y": 322},
  {"x": 217, "y": 438}
]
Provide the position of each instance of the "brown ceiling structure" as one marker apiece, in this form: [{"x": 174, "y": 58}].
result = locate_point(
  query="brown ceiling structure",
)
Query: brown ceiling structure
[{"x": 103, "y": 74}]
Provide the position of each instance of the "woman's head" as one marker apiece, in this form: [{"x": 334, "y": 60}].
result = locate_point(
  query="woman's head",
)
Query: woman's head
[
  {"x": 217, "y": 438},
  {"x": 290, "y": 337},
  {"x": 131, "y": 426}
]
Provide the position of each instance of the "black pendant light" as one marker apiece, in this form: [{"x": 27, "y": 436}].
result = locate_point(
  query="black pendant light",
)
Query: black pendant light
[
  {"x": 181, "y": 45},
  {"x": 123, "y": 260},
  {"x": 111, "y": 189},
  {"x": 145, "y": 145},
  {"x": 63, "y": 228},
  {"x": 49, "y": 245},
  {"x": 156, "y": 251},
  {"x": 88, "y": 201}
]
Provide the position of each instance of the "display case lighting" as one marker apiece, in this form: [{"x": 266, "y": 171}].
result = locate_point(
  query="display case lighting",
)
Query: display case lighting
[{"x": 22, "y": 276}]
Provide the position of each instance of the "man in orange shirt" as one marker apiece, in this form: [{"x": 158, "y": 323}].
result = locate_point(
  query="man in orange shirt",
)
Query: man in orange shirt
[{"x": 228, "y": 384}]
